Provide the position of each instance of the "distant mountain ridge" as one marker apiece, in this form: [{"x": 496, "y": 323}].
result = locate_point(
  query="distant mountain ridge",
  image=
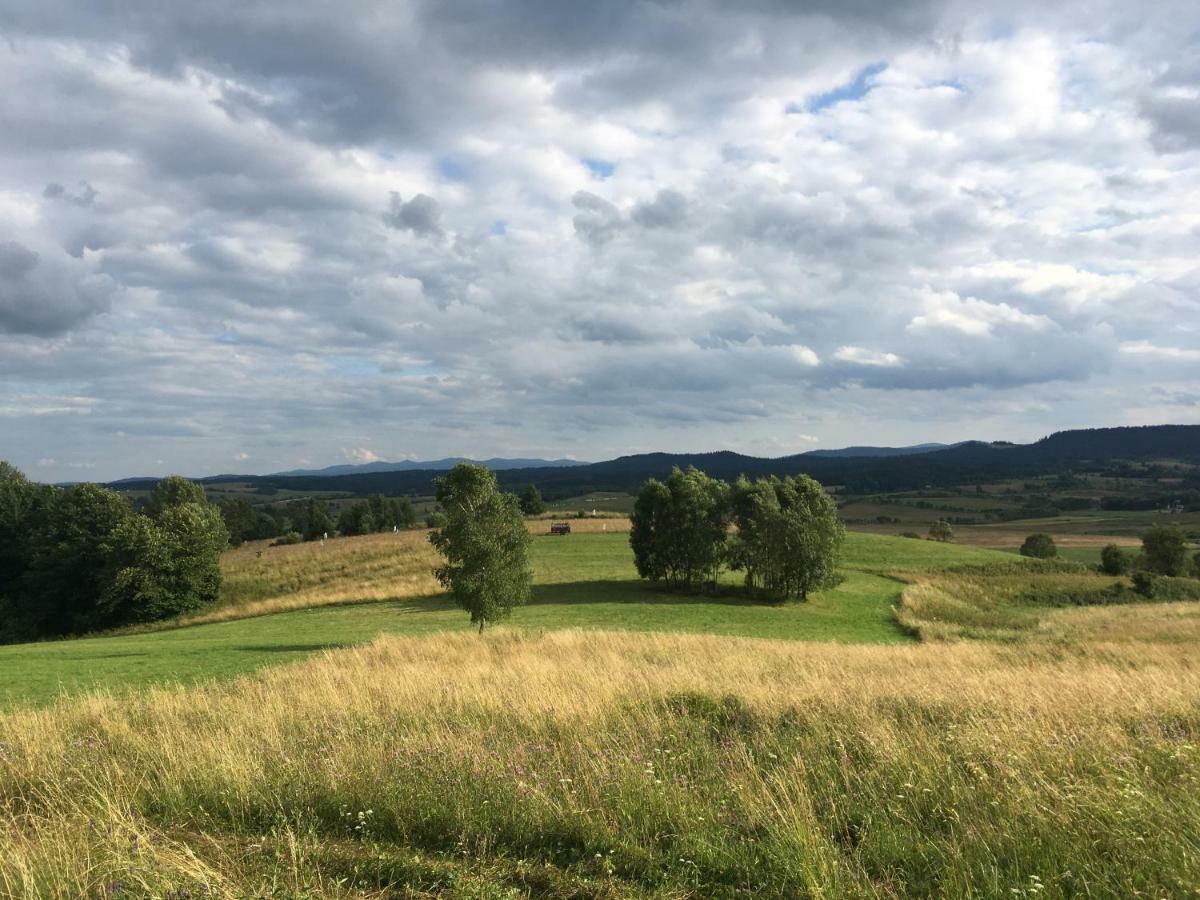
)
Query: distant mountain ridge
[
  {"x": 496, "y": 464},
  {"x": 862, "y": 452},
  {"x": 965, "y": 463}
]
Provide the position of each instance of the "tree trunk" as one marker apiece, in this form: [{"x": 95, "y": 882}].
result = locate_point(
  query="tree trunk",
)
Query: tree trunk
[{"x": 482, "y": 622}]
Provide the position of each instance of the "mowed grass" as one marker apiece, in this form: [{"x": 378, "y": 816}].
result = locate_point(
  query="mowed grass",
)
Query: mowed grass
[{"x": 359, "y": 588}]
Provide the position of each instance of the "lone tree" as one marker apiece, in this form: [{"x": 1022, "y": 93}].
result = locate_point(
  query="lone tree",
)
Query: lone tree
[
  {"x": 1039, "y": 546},
  {"x": 1114, "y": 560},
  {"x": 532, "y": 503},
  {"x": 678, "y": 529},
  {"x": 789, "y": 535},
  {"x": 485, "y": 544},
  {"x": 1164, "y": 550},
  {"x": 941, "y": 531}
]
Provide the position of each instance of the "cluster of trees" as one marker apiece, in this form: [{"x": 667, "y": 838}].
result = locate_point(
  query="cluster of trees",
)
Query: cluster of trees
[
  {"x": 310, "y": 518},
  {"x": 1164, "y": 552},
  {"x": 787, "y": 536},
  {"x": 377, "y": 513},
  {"x": 1039, "y": 546},
  {"x": 82, "y": 558}
]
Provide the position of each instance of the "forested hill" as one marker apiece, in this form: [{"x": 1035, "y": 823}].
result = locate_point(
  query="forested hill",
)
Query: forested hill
[{"x": 969, "y": 462}]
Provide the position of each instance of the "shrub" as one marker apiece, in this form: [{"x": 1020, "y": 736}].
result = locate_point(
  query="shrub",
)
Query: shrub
[
  {"x": 435, "y": 520},
  {"x": 1114, "y": 560},
  {"x": 1039, "y": 546},
  {"x": 1144, "y": 583},
  {"x": 289, "y": 537},
  {"x": 941, "y": 531},
  {"x": 1164, "y": 550}
]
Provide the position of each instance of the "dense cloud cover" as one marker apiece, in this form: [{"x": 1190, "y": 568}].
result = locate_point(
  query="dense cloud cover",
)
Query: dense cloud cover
[{"x": 249, "y": 237}]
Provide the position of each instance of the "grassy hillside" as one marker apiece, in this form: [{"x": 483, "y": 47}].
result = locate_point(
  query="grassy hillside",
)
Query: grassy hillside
[
  {"x": 586, "y": 580},
  {"x": 603, "y": 765}
]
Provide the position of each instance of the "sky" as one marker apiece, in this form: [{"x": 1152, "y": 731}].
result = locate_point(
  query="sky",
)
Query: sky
[{"x": 239, "y": 236}]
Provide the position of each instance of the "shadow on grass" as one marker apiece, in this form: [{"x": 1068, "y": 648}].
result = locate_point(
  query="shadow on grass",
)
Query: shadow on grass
[
  {"x": 636, "y": 591},
  {"x": 293, "y": 648}
]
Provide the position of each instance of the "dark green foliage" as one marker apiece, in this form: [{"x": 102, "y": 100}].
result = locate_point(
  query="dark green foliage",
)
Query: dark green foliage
[
  {"x": 288, "y": 537},
  {"x": 1164, "y": 550},
  {"x": 678, "y": 529},
  {"x": 311, "y": 518},
  {"x": 941, "y": 531},
  {"x": 245, "y": 523},
  {"x": 1196, "y": 565},
  {"x": 174, "y": 490},
  {"x": 1114, "y": 560},
  {"x": 485, "y": 544},
  {"x": 532, "y": 503},
  {"x": 1039, "y": 546},
  {"x": 435, "y": 519},
  {"x": 89, "y": 561},
  {"x": 788, "y": 536},
  {"x": 356, "y": 519},
  {"x": 1144, "y": 583}
]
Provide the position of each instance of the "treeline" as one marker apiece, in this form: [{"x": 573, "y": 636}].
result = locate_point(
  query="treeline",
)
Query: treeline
[
  {"x": 786, "y": 536},
  {"x": 81, "y": 558},
  {"x": 310, "y": 519}
]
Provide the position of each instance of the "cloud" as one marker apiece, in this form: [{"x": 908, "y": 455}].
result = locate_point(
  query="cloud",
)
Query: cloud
[
  {"x": 47, "y": 296},
  {"x": 419, "y": 215},
  {"x": 231, "y": 206}
]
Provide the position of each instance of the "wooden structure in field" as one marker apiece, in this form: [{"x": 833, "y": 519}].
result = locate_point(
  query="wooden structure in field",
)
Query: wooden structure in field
[{"x": 560, "y": 527}]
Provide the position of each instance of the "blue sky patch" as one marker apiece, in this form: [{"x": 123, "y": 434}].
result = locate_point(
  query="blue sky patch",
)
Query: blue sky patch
[
  {"x": 855, "y": 89},
  {"x": 600, "y": 168}
]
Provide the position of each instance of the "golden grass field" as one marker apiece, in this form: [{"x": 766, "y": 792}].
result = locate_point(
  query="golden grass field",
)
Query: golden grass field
[
  {"x": 1015, "y": 750},
  {"x": 634, "y": 765}
]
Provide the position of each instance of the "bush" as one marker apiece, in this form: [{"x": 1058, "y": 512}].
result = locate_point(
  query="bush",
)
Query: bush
[
  {"x": 290, "y": 537},
  {"x": 941, "y": 531},
  {"x": 1144, "y": 583},
  {"x": 1114, "y": 560},
  {"x": 911, "y": 534},
  {"x": 435, "y": 520},
  {"x": 1164, "y": 550},
  {"x": 1039, "y": 546}
]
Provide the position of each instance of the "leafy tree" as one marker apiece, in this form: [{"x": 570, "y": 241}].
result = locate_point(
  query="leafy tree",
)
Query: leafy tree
[
  {"x": 678, "y": 529},
  {"x": 532, "y": 503},
  {"x": 1039, "y": 546},
  {"x": 173, "y": 490},
  {"x": 310, "y": 517},
  {"x": 941, "y": 531},
  {"x": 20, "y": 503},
  {"x": 357, "y": 518},
  {"x": 789, "y": 535},
  {"x": 391, "y": 512},
  {"x": 241, "y": 519},
  {"x": 435, "y": 519},
  {"x": 1164, "y": 550},
  {"x": 1114, "y": 560},
  {"x": 485, "y": 543}
]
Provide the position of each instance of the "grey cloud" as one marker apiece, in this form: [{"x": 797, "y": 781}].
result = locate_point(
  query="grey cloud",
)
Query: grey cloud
[
  {"x": 667, "y": 209},
  {"x": 420, "y": 215},
  {"x": 46, "y": 298},
  {"x": 597, "y": 221},
  {"x": 84, "y": 196}
]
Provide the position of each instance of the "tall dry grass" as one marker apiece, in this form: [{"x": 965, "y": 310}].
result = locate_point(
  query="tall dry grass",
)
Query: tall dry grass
[
  {"x": 610, "y": 764},
  {"x": 260, "y": 579}
]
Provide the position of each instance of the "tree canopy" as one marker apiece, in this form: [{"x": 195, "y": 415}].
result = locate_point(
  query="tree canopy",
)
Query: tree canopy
[
  {"x": 484, "y": 542},
  {"x": 81, "y": 558}
]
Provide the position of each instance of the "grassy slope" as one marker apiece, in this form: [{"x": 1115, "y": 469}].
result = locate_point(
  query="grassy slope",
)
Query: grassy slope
[{"x": 586, "y": 580}]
